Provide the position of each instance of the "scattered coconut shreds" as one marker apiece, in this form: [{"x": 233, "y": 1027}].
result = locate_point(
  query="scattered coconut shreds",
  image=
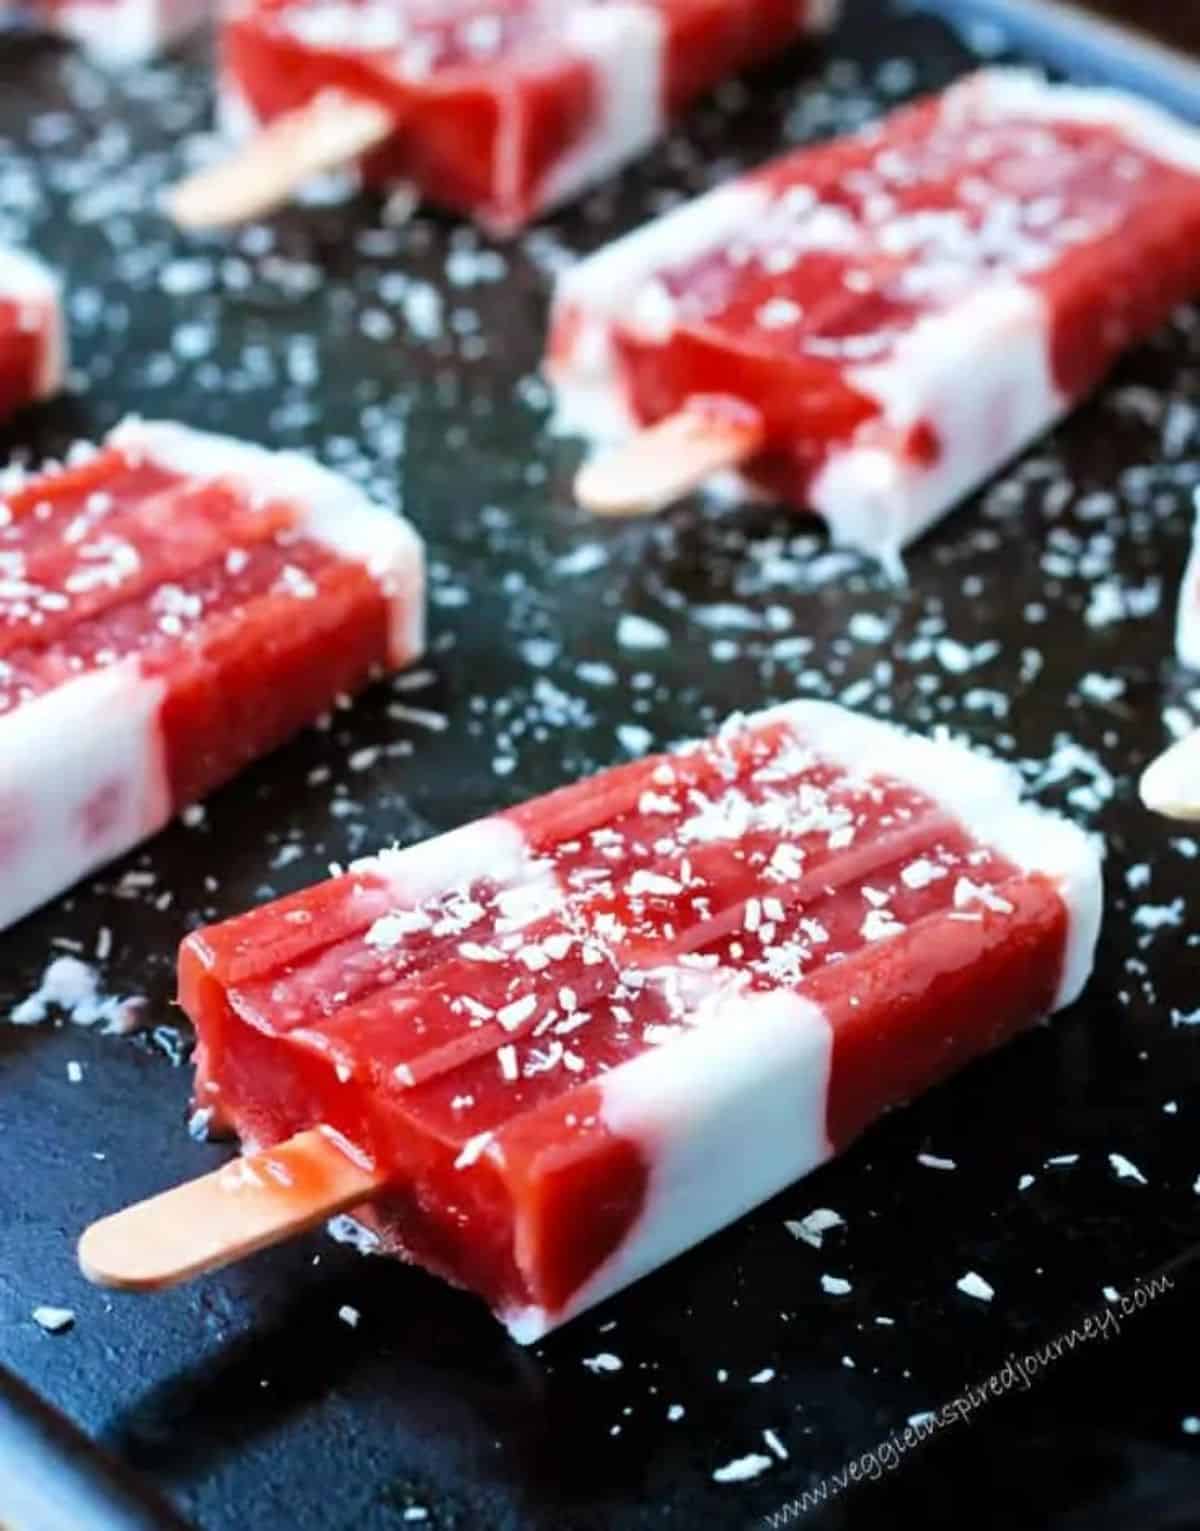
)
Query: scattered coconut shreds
[
  {"x": 973, "y": 1285},
  {"x": 634, "y": 632},
  {"x": 741, "y": 1469},
  {"x": 604, "y": 1362},
  {"x": 344, "y": 1229},
  {"x": 813, "y": 1228},
  {"x": 1125, "y": 1169},
  {"x": 836, "y": 1286},
  {"x": 348, "y": 1315},
  {"x": 934, "y": 1162},
  {"x": 53, "y": 1320},
  {"x": 71, "y": 988},
  {"x": 199, "y": 1123}
]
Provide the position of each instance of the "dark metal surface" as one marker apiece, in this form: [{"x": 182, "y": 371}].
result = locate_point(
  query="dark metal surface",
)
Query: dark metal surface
[{"x": 408, "y": 356}]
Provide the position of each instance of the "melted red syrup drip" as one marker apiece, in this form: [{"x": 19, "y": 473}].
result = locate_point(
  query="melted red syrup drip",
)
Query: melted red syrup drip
[
  {"x": 480, "y": 128},
  {"x": 480, "y": 1021},
  {"x": 251, "y": 629},
  {"x": 917, "y": 217},
  {"x": 20, "y": 355}
]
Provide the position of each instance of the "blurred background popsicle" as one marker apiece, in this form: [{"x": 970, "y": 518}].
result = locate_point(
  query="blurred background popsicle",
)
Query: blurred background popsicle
[
  {"x": 902, "y": 310},
  {"x": 499, "y": 109},
  {"x": 173, "y": 606}
]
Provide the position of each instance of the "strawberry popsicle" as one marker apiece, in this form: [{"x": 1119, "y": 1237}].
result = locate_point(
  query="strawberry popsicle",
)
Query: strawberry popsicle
[
  {"x": 497, "y": 108},
  {"x": 115, "y": 32},
  {"x": 577, "y": 1037},
  {"x": 173, "y": 606},
  {"x": 32, "y": 334},
  {"x": 887, "y": 318}
]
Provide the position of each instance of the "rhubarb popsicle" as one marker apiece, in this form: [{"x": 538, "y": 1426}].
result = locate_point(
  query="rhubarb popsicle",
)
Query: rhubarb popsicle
[
  {"x": 499, "y": 108},
  {"x": 173, "y": 606},
  {"x": 898, "y": 312},
  {"x": 32, "y": 334},
  {"x": 579, "y": 1036},
  {"x": 115, "y": 32}
]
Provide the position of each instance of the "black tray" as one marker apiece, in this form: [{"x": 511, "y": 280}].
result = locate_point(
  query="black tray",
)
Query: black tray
[{"x": 246, "y": 1399}]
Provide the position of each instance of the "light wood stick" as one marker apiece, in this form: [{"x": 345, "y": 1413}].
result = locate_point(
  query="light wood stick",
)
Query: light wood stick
[
  {"x": 668, "y": 460},
  {"x": 1170, "y": 785},
  {"x": 332, "y": 130},
  {"x": 259, "y": 1200}
]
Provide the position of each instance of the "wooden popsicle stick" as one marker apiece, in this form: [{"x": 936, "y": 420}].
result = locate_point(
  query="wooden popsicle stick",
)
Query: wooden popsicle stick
[
  {"x": 1170, "y": 785},
  {"x": 258, "y": 1200},
  {"x": 668, "y": 460},
  {"x": 332, "y": 130}
]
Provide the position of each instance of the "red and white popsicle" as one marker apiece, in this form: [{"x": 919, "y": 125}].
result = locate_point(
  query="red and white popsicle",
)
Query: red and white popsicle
[
  {"x": 115, "y": 32},
  {"x": 33, "y": 348},
  {"x": 500, "y": 109},
  {"x": 173, "y": 606},
  {"x": 543, "y": 1054},
  {"x": 871, "y": 327}
]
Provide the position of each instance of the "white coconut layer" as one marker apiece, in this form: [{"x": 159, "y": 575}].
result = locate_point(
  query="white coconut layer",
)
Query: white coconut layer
[{"x": 82, "y": 780}]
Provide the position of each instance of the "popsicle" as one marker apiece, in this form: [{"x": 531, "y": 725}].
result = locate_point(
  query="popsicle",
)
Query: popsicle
[
  {"x": 172, "y": 606},
  {"x": 500, "y": 109},
  {"x": 543, "y": 1054},
  {"x": 871, "y": 327},
  {"x": 115, "y": 32},
  {"x": 33, "y": 353}
]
